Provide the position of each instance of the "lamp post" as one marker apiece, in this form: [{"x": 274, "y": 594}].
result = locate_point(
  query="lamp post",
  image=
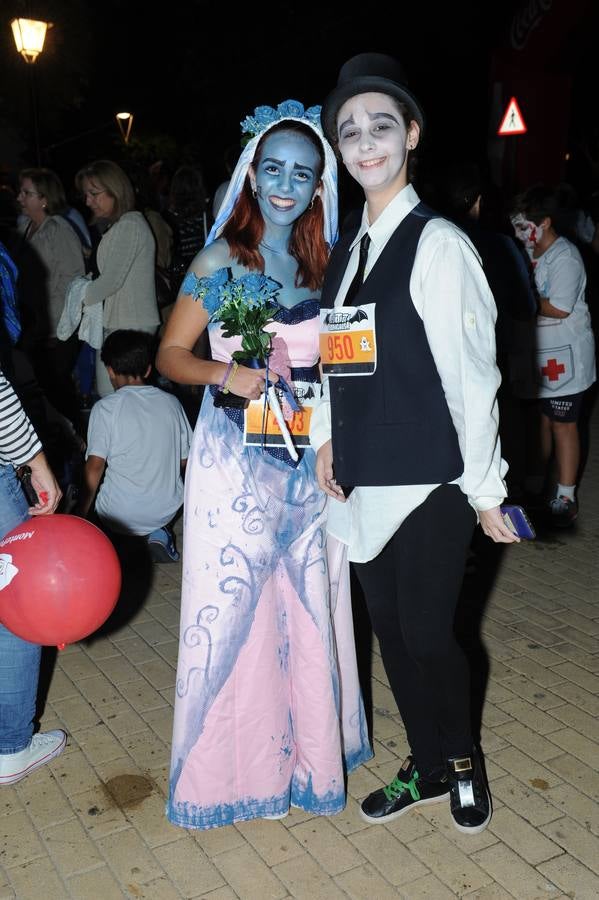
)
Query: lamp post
[
  {"x": 125, "y": 122},
  {"x": 29, "y": 35}
]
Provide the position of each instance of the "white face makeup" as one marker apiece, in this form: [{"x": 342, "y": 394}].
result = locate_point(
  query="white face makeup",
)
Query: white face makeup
[
  {"x": 373, "y": 142},
  {"x": 286, "y": 178},
  {"x": 527, "y": 232}
]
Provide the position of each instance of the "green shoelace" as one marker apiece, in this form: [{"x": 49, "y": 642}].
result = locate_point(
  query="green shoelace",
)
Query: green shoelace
[{"x": 397, "y": 787}]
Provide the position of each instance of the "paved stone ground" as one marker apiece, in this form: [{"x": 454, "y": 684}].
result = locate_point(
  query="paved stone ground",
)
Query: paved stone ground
[{"x": 91, "y": 825}]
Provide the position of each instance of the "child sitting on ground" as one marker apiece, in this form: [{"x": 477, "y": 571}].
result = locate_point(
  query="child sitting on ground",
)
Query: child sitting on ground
[{"x": 138, "y": 439}]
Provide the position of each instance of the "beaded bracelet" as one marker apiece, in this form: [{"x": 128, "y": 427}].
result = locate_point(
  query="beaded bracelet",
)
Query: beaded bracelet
[
  {"x": 230, "y": 377},
  {"x": 226, "y": 375}
]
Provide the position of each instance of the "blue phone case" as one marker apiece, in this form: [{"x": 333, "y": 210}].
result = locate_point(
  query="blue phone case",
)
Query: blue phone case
[{"x": 518, "y": 522}]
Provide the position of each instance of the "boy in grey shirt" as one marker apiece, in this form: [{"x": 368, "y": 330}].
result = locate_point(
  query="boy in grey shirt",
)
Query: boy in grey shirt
[{"x": 137, "y": 447}]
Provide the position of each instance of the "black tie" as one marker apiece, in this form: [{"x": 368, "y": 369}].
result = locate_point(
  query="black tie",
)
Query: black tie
[{"x": 358, "y": 278}]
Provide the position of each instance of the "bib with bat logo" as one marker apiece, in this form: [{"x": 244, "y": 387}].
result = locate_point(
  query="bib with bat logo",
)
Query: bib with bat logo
[{"x": 348, "y": 340}]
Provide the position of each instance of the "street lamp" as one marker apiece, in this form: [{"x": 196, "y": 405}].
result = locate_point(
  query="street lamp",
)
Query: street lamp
[
  {"x": 29, "y": 35},
  {"x": 125, "y": 129}
]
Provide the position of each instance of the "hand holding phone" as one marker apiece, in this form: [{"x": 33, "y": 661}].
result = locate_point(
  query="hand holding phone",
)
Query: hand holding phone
[{"x": 518, "y": 522}]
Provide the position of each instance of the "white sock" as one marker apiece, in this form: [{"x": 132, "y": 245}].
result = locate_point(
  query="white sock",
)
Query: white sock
[{"x": 566, "y": 490}]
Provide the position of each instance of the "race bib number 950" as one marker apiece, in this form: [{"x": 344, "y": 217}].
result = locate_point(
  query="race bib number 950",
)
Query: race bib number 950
[{"x": 348, "y": 340}]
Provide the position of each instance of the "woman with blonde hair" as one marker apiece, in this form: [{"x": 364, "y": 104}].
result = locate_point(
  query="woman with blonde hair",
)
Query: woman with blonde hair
[{"x": 125, "y": 256}]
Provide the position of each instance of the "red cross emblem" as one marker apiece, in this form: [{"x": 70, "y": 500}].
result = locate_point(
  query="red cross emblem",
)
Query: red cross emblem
[{"x": 553, "y": 369}]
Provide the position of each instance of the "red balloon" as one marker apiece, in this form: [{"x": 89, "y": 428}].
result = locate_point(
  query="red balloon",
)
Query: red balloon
[{"x": 60, "y": 579}]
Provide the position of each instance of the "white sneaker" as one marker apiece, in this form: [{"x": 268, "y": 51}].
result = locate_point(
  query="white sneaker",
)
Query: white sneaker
[{"x": 42, "y": 748}]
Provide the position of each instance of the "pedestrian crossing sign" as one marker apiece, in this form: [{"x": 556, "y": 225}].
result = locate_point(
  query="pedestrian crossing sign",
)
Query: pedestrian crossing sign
[{"x": 513, "y": 121}]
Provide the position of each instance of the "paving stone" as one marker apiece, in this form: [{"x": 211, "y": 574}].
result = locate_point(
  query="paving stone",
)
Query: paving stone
[
  {"x": 149, "y": 819},
  {"x": 61, "y": 686},
  {"x": 73, "y": 773},
  {"x": 129, "y": 858},
  {"x": 349, "y": 820},
  {"x": 578, "y": 655},
  {"x": 305, "y": 880},
  {"x": 217, "y": 840},
  {"x": 528, "y": 770},
  {"x": 169, "y": 651},
  {"x": 449, "y": 864},
  {"x": 439, "y": 817},
  {"x": 19, "y": 842},
  {"x": 365, "y": 883},
  {"x": 534, "y": 670},
  {"x": 75, "y": 713},
  {"x": 576, "y": 695},
  {"x": 272, "y": 840},
  {"x": 100, "y": 691},
  {"x": 580, "y": 807},
  {"x": 249, "y": 876},
  {"x": 575, "y": 636},
  {"x": 133, "y": 650},
  {"x": 576, "y": 744},
  {"x": 77, "y": 665},
  {"x": 330, "y": 850},
  {"x": 99, "y": 883},
  {"x": 515, "y": 875},
  {"x": 540, "y": 654},
  {"x": 98, "y": 744},
  {"x": 522, "y": 687},
  {"x": 43, "y": 800},
  {"x": 576, "y": 840},
  {"x": 395, "y": 863},
  {"x": 70, "y": 848},
  {"x": 572, "y": 877},
  {"x": 491, "y": 892},
  {"x": 522, "y": 837},
  {"x": 578, "y": 774},
  {"x": 153, "y": 632},
  {"x": 146, "y": 748},
  {"x": 531, "y": 716},
  {"x": 141, "y": 695},
  {"x": 159, "y": 673},
  {"x": 34, "y": 879},
  {"x": 10, "y": 801},
  {"x": 525, "y": 801},
  {"x": 581, "y": 677},
  {"x": 528, "y": 741},
  {"x": 410, "y": 826},
  {"x": 97, "y": 812}
]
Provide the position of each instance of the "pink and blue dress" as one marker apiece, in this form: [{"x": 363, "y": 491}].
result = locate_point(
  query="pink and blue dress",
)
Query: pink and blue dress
[{"x": 268, "y": 710}]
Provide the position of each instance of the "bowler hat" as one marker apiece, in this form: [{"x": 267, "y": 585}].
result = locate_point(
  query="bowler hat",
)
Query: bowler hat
[{"x": 366, "y": 73}]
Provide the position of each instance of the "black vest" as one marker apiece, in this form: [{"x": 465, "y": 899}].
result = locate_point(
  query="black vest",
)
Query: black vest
[{"x": 392, "y": 427}]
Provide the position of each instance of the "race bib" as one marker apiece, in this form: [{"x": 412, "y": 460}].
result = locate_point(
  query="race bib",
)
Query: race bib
[
  {"x": 255, "y": 419},
  {"x": 348, "y": 340}
]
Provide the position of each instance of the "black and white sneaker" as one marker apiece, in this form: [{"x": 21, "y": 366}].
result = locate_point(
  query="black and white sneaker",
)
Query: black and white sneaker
[
  {"x": 406, "y": 791},
  {"x": 470, "y": 801}
]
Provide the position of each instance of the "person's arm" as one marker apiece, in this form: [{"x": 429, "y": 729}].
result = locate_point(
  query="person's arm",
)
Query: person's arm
[
  {"x": 20, "y": 445},
  {"x": 92, "y": 476},
  {"x": 320, "y": 441},
  {"x": 564, "y": 279},
  {"x": 45, "y": 484},
  {"x": 186, "y": 323},
  {"x": 458, "y": 314},
  {"x": 125, "y": 238}
]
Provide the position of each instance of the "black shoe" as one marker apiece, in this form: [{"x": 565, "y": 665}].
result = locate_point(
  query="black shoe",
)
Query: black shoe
[
  {"x": 405, "y": 792},
  {"x": 470, "y": 799}
]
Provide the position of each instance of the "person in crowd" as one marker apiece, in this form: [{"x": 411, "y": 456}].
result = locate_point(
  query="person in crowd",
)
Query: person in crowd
[
  {"x": 268, "y": 710},
  {"x": 125, "y": 257},
  {"x": 59, "y": 251},
  {"x": 407, "y": 432},
  {"x": 563, "y": 366},
  {"x": 138, "y": 443},
  {"x": 188, "y": 217},
  {"x": 21, "y": 751}
]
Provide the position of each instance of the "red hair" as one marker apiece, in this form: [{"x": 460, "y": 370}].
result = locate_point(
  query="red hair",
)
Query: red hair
[{"x": 244, "y": 229}]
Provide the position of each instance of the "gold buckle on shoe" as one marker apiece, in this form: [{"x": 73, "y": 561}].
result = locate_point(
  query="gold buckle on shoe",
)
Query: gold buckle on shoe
[{"x": 462, "y": 765}]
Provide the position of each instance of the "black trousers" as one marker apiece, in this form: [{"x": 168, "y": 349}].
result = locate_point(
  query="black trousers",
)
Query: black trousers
[{"x": 411, "y": 590}]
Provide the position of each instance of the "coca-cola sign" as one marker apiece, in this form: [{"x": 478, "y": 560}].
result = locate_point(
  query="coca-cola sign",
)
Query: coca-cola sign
[{"x": 526, "y": 20}]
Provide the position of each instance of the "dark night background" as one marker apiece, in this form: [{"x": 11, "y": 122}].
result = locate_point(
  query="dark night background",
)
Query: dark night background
[{"x": 191, "y": 70}]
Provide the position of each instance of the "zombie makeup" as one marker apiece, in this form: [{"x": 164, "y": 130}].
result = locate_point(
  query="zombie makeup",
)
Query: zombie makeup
[
  {"x": 527, "y": 232},
  {"x": 286, "y": 177}
]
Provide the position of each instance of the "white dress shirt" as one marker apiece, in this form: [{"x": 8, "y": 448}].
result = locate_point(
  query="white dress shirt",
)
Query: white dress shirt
[{"x": 451, "y": 295}]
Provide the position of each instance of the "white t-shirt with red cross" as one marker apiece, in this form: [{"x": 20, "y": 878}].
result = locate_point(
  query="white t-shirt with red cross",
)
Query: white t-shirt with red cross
[{"x": 565, "y": 348}]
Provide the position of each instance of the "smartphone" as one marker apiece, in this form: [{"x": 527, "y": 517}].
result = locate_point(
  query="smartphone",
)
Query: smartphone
[{"x": 518, "y": 522}]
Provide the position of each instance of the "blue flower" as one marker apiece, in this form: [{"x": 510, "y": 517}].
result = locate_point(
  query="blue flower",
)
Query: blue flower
[
  {"x": 290, "y": 108},
  {"x": 313, "y": 115},
  {"x": 191, "y": 284}
]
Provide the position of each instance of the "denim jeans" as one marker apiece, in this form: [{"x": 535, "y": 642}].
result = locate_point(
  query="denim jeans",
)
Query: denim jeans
[{"x": 19, "y": 660}]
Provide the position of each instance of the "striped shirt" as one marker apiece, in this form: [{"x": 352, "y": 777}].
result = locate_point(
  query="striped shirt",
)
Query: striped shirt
[{"x": 18, "y": 441}]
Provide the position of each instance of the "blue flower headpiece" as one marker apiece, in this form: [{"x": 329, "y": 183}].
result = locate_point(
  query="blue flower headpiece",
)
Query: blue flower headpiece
[{"x": 265, "y": 116}]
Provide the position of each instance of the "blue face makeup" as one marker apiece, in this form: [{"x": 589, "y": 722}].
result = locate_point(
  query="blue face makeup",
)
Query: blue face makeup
[{"x": 286, "y": 177}]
